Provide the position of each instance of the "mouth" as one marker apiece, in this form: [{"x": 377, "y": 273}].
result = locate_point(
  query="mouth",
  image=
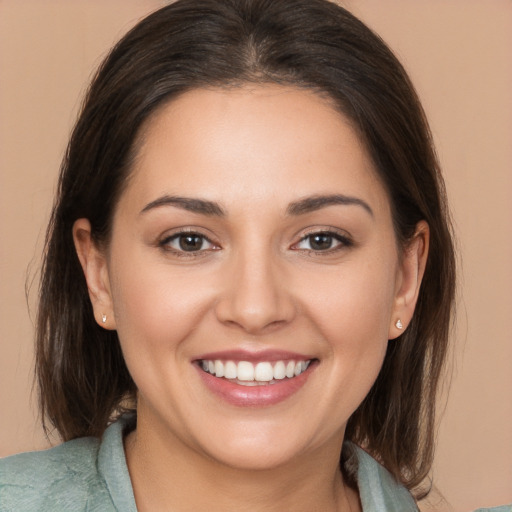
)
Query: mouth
[
  {"x": 262, "y": 373},
  {"x": 255, "y": 378}
]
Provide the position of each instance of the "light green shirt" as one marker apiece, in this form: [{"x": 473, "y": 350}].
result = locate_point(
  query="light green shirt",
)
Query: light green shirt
[{"x": 90, "y": 475}]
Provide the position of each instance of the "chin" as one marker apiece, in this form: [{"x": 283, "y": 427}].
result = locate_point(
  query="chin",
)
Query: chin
[
  {"x": 254, "y": 458},
  {"x": 260, "y": 447}
]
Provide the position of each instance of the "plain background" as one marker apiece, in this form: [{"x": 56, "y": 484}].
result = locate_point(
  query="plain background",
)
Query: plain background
[{"x": 459, "y": 55}]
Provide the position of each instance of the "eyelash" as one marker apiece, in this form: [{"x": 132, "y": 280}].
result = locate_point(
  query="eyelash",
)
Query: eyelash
[
  {"x": 342, "y": 241},
  {"x": 164, "y": 244}
]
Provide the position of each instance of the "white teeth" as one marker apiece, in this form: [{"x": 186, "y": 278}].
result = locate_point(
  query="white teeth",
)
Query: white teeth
[
  {"x": 219, "y": 369},
  {"x": 263, "y": 372},
  {"x": 230, "y": 370},
  {"x": 290, "y": 369},
  {"x": 250, "y": 374},
  {"x": 245, "y": 371},
  {"x": 279, "y": 370}
]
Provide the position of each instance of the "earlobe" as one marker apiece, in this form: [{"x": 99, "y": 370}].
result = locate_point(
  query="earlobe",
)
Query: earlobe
[
  {"x": 94, "y": 266},
  {"x": 412, "y": 268}
]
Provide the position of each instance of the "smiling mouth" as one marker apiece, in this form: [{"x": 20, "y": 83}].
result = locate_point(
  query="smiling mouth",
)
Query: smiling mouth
[{"x": 262, "y": 373}]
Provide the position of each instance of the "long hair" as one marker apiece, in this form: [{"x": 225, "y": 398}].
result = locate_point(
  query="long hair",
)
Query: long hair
[{"x": 312, "y": 44}]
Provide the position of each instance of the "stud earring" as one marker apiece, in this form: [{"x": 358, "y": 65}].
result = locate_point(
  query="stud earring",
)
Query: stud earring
[
  {"x": 399, "y": 324},
  {"x": 103, "y": 318}
]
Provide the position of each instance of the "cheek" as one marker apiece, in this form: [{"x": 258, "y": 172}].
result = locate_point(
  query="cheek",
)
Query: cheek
[
  {"x": 357, "y": 331},
  {"x": 154, "y": 307},
  {"x": 156, "y": 310},
  {"x": 352, "y": 302},
  {"x": 351, "y": 309}
]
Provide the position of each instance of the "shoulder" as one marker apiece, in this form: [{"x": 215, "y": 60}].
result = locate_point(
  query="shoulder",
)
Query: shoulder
[
  {"x": 61, "y": 478},
  {"x": 503, "y": 508},
  {"x": 378, "y": 489}
]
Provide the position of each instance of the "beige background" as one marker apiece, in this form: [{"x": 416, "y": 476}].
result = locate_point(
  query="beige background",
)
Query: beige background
[{"x": 459, "y": 54}]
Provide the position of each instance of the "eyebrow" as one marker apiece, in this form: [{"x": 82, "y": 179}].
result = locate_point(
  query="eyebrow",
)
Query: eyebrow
[
  {"x": 211, "y": 208},
  {"x": 313, "y": 203},
  {"x": 186, "y": 203}
]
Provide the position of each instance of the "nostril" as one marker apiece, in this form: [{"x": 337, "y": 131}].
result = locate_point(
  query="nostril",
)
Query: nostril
[
  {"x": 255, "y": 325},
  {"x": 256, "y": 297},
  {"x": 266, "y": 317}
]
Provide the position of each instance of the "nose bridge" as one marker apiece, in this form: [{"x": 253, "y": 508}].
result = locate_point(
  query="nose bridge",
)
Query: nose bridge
[{"x": 256, "y": 296}]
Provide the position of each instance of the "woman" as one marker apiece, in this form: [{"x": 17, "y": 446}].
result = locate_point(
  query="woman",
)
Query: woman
[{"x": 250, "y": 251}]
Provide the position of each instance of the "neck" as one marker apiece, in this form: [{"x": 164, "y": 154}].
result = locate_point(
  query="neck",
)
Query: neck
[{"x": 168, "y": 475}]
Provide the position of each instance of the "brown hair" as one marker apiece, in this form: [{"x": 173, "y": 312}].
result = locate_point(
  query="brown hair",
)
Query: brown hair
[{"x": 314, "y": 44}]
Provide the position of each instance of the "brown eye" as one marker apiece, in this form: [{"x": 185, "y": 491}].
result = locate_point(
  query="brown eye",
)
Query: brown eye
[
  {"x": 320, "y": 241},
  {"x": 191, "y": 242},
  {"x": 323, "y": 241},
  {"x": 187, "y": 242}
]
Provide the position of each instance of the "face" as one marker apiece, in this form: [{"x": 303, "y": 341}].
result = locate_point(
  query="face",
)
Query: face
[{"x": 253, "y": 275}]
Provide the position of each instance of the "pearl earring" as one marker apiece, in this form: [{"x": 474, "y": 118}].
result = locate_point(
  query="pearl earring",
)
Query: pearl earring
[
  {"x": 399, "y": 324},
  {"x": 103, "y": 318}
]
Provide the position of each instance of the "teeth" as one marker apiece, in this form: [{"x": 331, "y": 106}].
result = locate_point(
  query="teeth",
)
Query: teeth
[
  {"x": 263, "y": 372},
  {"x": 250, "y": 374},
  {"x": 230, "y": 370},
  {"x": 245, "y": 371},
  {"x": 219, "y": 369},
  {"x": 290, "y": 369},
  {"x": 279, "y": 370}
]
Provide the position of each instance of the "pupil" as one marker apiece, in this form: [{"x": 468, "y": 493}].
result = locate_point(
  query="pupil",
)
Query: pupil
[
  {"x": 191, "y": 242},
  {"x": 321, "y": 242}
]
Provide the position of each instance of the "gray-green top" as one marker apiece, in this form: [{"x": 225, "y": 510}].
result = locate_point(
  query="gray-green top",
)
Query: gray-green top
[
  {"x": 80, "y": 475},
  {"x": 91, "y": 475}
]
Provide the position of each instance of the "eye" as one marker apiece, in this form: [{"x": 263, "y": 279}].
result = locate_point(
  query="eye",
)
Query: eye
[
  {"x": 322, "y": 241},
  {"x": 187, "y": 242}
]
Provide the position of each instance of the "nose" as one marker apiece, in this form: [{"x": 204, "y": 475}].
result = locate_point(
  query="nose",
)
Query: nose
[{"x": 256, "y": 297}]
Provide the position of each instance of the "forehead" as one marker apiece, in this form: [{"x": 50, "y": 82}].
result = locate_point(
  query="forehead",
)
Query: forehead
[{"x": 252, "y": 144}]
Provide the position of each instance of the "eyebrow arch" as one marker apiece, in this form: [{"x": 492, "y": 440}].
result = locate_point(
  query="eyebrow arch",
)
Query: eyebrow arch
[
  {"x": 313, "y": 203},
  {"x": 186, "y": 203}
]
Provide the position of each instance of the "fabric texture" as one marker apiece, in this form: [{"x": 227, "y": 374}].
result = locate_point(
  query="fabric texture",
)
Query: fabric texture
[
  {"x": 89, "y": 475},
  {"x": 80, "y": 475},
  {"x": 503, "y": 508}
]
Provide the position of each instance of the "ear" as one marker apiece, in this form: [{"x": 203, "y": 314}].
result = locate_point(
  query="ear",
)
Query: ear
[
  {"x": 410, "y": 275},
  {"x": 94, "y": 265}
]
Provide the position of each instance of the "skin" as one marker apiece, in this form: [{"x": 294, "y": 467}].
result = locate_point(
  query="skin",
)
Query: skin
[{"x": 256, "y": 284}]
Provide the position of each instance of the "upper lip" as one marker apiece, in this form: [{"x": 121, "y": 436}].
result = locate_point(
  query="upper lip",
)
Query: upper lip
[{"x": 254, "y": 356}]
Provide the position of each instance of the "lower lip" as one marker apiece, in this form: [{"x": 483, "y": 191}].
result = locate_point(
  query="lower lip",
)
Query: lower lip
[{"x": 254, "y": 396}]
